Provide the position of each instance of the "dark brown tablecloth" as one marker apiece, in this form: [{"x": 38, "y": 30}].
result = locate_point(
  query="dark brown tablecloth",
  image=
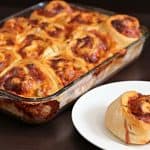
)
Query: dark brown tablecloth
[{"x": 59, "y": 134}]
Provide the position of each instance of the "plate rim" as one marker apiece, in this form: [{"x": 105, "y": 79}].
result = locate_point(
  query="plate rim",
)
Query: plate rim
[{"x": 90, "y": 91}]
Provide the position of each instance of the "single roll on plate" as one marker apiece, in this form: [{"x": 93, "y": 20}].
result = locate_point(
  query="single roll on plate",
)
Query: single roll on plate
[{"x": 128, "y": 118}]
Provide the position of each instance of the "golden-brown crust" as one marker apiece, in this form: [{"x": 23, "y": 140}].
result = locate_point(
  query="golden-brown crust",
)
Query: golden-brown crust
[
  {"x": 91, "y": 45},
  {"x": 121, "y": 36},
  {"x": 30, "y": 79},
  {"x": 55, "y": 11},
  {"x": 128, "y": 26},
  {"x": 66, "y": 68},
  {"x": 83, "y": 17},
  {"x": 7, "y": 59},
  {"x": 125, "y": 124},
  {"x": 66, "y": 41}
]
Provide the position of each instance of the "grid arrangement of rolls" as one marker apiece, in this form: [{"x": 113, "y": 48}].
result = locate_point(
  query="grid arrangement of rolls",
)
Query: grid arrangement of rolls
[{"x": 55, "y": 45}]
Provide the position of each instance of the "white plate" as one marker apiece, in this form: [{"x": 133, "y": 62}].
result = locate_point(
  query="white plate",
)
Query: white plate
[{"x": 89, "y": 111}]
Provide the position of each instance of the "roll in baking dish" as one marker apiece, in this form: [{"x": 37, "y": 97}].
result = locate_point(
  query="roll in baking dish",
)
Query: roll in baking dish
[{"x": 56, "y": 45}]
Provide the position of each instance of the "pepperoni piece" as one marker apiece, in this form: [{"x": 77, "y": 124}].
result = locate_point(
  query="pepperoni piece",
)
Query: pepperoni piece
[
  {"x": 126, "y": 27},
  {"x": 140, "y": 107}
]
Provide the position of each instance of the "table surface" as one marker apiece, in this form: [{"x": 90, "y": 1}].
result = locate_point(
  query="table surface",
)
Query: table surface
[{"x": 59, "y": 134}]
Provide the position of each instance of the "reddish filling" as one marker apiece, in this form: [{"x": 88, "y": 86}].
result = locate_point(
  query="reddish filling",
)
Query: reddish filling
[
  {"x": 27, "y": 42},
  {"x": 14, "y": 25},
  {"x": 135, "y": 106},
  {"x": 66, "y": 70},
  {"x": 55, "y": 32},
  {"x": 79, "y": 19},
  {"x": 37, "y": 111},
  {"x": 45, "y": 13},
  {"x": 35, "y": 72},
  {"x": 43, "y": 25},
  {"x": 52, "y": 12},
  {"x": 84, "y": 17},
  {"x": 25, "y": 83},
  {"x": 33, "y": 22},
  {"x": 86, "y": 48},
  {"x": 4, "y": 63},
  {"x": 85, "y": 42},
  {"x": 127, "y": 27},
  {"x": 54, "y": 8},
  {"x": 12, "y": 80},
  {"x": 58, "y": 8},
  {"x": 7, "y": 41}
]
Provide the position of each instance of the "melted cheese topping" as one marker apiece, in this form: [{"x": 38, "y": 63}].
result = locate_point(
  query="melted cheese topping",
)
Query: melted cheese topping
[
  {"x": 29, "y": 79},
  {"x": 51, "y": 48},
  {"x": 67, "y": 69}
]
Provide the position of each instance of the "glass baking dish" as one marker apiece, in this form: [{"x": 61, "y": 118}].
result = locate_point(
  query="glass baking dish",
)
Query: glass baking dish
[{"x": 40, "y": 110}]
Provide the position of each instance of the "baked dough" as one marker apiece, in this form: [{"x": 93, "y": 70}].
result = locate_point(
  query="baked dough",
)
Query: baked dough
[
  {"x": 124, "y": 29},
  {"x": 128, "y": 118},
  {"x": 62, "y": 42}
]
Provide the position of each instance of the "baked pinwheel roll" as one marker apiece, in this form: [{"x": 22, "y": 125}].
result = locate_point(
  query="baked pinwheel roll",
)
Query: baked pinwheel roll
[
  {"x": 55, "y": 11},
  {"x": 33, "y": 46},
  {"x": 66, "y": 68},
  {"x": 7, "y": 60},
  {"x": 8, "y": 35},
  {"x": 56, "y": 32},
  {"x": 16, "y": 25},
  {"x": 7, "y": 40},
  {"x": 91, "y": 45},
  {"x": 57, "y": 44},
  {"x": 82, "y": 17},
  {"x": 37, "y": 41},
  {"x": 128, "y": 118},
  {"x": 124, "y": 29},
  {"x": 29, "y": 78},
  {"x": 16, "y": 28}
]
